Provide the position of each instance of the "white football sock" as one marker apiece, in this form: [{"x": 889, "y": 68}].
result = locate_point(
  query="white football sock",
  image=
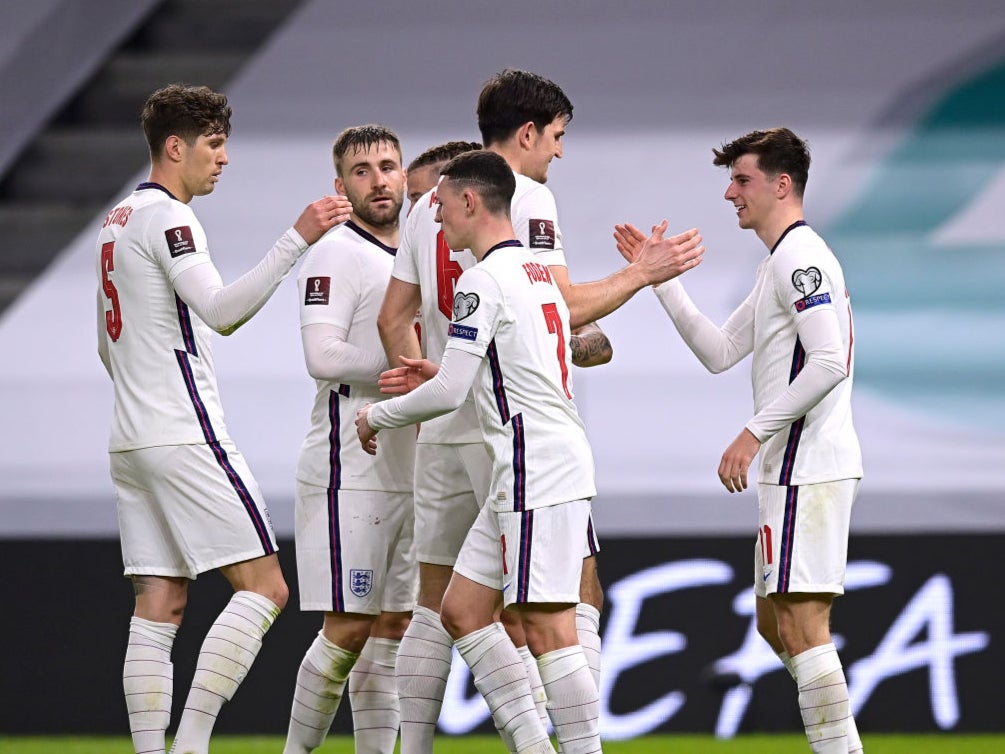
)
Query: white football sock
[
  {"x": 422, "y": 668},
  {"x": 320, "y": 683},
  {"x": 588, "y": 631},
  {"x": 573, "y": 699},
  {"x": 147, "y": 679},
  {"x": 229, "y": 649},
  {"x": 854, "y": 741},
  {"x": 536, "y": 684},
  {"x": 374, "y": 697},
  {"x": 500, "y": 676},
  {"x": 823, "y": 699}
]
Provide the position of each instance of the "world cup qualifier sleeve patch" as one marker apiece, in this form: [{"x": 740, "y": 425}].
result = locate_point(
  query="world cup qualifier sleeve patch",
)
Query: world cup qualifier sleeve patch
[
  {"x": 465, "y": 305},
  {"x": 807, "y": 282},
  {"x": 317, "y": 291},
  {"x": 541, "y": 234},
  {"x": 179, "y": 240}
]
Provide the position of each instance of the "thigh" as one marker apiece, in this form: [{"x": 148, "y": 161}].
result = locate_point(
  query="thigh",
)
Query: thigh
[
  {"x": 802, "y": 544},
  {"x": 187, "y": 509},
  {"x": 345, "y": 541},
  {"x": 450, "y": 486},
  {"x": 481, "y": 559},
  {"x": 543, "y": 553}
]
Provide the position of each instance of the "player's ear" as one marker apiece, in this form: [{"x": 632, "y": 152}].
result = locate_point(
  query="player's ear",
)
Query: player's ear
[
  {"x": 339, "y": 186},
  {"x": 784, "y": 185},
  {"x": 526, "y": 134},
  {"x": 174, "y": 148}
]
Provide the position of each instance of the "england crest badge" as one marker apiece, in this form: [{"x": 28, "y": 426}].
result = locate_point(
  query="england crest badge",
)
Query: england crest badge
[{"x": 360, "y": 582}]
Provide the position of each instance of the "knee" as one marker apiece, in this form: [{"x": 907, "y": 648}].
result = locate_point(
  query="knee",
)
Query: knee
[
  {"x": 456, "y": 620},
  {"x": 278, "y": 592}
]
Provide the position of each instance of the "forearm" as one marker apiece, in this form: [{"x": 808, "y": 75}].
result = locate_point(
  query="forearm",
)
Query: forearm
[
  {"x": 396, "y": 321},
  {"x": 330, "y": 357},
  {"x": 716, "y": 348},
  {"x": 590, "y": 346},
  {"x": 826, "y": 366},
  {"x": 809, "y": 387},
  {"x": 589, "y": 302},
  {"x": 440, "y": 395},
  {"x": 226, "y": 308}
]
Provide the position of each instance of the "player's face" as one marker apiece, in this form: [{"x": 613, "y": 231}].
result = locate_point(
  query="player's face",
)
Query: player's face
[
  {"x": 451, "y": 214},
  {"x": 202, "y": 163},
  {"x": 421, "y": 180},
  {"x": 752, "y": 192},
  {"x": 546, "y": 145},
  {"x": 374, "y": 181}
]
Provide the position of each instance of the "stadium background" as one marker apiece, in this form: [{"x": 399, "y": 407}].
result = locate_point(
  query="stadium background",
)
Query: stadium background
[{"x": 902, "y": 104}]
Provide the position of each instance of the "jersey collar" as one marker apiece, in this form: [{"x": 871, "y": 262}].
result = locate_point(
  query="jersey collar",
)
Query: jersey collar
[
  {"x": 501, "y": 244},
  {"x": 371, "y": 238},
  {"x": 152, "y": 185},
  {"x": 794, "y": 225}
]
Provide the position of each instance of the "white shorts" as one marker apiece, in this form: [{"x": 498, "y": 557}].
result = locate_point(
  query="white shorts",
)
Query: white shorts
[
  {"x": 451, "y": 482},
  {"x": 187, "y": 509},
  {"x": 531, "y": 556},
  {"x": 802, "y": 542},
  {"x": 354, "y": 550}
]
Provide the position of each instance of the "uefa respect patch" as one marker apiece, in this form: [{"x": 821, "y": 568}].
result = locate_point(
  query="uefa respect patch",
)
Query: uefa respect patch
[
  {"x": 317, "y": 291},
  {"x": 463, "y": 332},
  {"x": 810, "y": 301}
]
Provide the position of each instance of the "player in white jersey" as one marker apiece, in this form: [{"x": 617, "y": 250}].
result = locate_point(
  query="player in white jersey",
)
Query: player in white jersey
[
  {"x": 353, "y": 511},
  {"x": 453, "y": 466},
  {"x": 424, "y": 170},
  {"x": 797, "y": 322},
  {"x": 187, "y": 502},
  {"x": 509, "y": 339}
]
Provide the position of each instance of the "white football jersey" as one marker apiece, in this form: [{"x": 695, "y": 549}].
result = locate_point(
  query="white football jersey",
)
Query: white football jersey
[
  {"x": 342, "y": 283},
  {"x": 508, "y": 310},
  {"x": 424, "y": 259},
  {"x": 159, "y": 350},
  {"x": 802, "y": 275}
]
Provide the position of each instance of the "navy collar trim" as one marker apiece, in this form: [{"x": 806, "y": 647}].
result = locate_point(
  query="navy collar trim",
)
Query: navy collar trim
[
  {"x": 502, "y": 244},
  {"x": 152, "y": 185},
  {"x": 794, "y": 225},
  {"x": 371, "y": 238}
]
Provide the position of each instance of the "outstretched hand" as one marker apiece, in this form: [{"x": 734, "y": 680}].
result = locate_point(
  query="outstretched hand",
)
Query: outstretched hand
[
  {"x": 405, "y": 379},
  {"x": 367, "y": 434},
  {"x": 659, "y": 259},
  {"x": 322, "y": 215}
]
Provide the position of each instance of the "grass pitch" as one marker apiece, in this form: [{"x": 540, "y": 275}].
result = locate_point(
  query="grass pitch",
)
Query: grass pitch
[{"x": 880, "y": 743}]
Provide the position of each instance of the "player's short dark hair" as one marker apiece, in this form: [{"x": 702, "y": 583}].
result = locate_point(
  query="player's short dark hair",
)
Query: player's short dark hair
[
  {"x": 513, "y": 97},
  {"x": 486, "y": 173},
  {"x": 778, "y": 151},
  {"x": 187, "y": 112},
  {"x": 443, "y": 153},
  {"x": 360, "y": 139}
]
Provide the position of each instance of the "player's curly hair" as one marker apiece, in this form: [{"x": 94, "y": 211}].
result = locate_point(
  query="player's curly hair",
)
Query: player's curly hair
[
  {"x": 360, "y": 139},
  {"x": 488, "y": 174},
  {"x": 513, "y": 97},
  {"x": 187, "y": 112},
  {"x": 778, "y": 151},
  {"x": 442, "y": 153}
]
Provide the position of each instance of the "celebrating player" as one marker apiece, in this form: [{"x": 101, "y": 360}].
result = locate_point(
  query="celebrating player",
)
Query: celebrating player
[
  {"x": 354, "y": 515},
  {"x": 187, "y": 502},
  {"x": 797, "y": 322}
]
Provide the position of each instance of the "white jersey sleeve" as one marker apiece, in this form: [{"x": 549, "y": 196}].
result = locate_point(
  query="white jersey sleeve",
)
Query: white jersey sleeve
[
  {"x": 341, "y": 286},
  {"x": 535, "y": 220},
  {"x": 226, "y": 308},
  {"x": 424, "y": 259}
]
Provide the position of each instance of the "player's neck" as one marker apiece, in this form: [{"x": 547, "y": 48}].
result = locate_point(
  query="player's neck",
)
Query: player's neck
[
  {"x": 386, "y": 234},
  {"x": 779, "y": 222},
  {"x": 509, "y": 151},
  {"x": 171, "y": 181},
  {"x": 492, "y": 232}
]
